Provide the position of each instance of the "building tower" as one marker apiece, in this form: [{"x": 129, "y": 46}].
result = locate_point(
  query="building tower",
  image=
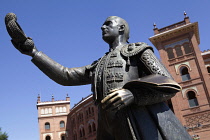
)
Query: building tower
[
  {"x": 179, "y": 51},
  {"x": 52, "y": 117}
]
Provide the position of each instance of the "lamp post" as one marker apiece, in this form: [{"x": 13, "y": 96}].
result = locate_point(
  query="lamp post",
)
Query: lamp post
[{"x": 194, "y": 136}]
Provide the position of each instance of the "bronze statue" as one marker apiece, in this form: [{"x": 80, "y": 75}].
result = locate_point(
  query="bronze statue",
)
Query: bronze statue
[{"x": 130, "y": 85}]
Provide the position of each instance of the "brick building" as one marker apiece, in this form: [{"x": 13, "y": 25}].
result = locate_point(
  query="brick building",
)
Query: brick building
[
  {"x": 58, "y": 122},
  {"x": 52, "y": 117},
  {"x": 83, "y": 120},
  {"x": 179, "y": 51}
]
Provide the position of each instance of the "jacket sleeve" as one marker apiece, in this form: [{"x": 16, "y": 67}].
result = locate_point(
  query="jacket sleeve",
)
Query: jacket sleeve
[
  {"x": 60, "y": 74},
  {"x": 144, "y": 95}
]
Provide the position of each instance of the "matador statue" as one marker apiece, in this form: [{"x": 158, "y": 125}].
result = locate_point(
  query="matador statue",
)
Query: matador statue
[{"x": 130, "y": 85}]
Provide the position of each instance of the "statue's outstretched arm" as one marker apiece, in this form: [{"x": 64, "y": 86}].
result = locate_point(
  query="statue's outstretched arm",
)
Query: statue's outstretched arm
[{"x": 58, "y": 73}]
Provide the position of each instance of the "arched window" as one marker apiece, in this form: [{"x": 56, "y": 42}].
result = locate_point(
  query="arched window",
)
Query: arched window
[
  {"x": 48, "y": 138},
  {"x": 170, "y": 53},
  {"x": 89, "y": 110},
  {"x": 80, "y": 132},
  {"x": 61, "y": 109},
  {"x": 74, "y": 121},
  {"x": 57, "y": 110},
  {"x": 93, "y": 110},
  {"x": 187, "y": 48},
  {"x": 184, "y": 73},
  {"x": 83, "y": 131},
  {"x": 42, "y": 111},
  {"x": 64, "y": 109},
  {"x": 94, "y": 126},
  {"x": 50, "y": 110},
  {"x": 81, "y": 117},
  {"x": 192, "y": 99},
  {"x": 208, "y": 69},
  {"x": 46, "y": 110},
  {"x": 86, "y": 113},
  {"x": 63, "y": 137},
  {"x": 62, "y": 124},
  {"x": 75, "y": 136},
  {"x": 78, "y": 118},
  {"x": 47, "y": 125},
  {"x": 178, "y": 51},
  {"x": 89, "y": 128}
]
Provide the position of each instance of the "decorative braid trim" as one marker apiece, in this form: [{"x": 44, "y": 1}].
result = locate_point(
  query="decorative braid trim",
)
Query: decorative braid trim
[{"x": 134, "y": 49}]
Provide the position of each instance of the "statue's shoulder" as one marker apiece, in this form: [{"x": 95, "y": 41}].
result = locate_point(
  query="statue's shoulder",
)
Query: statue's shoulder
[
  {"x": 134, "y": 49},
  {"x": 93, "y": 65}
]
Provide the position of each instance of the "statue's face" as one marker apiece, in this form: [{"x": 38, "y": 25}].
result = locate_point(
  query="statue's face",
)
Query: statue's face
[{"x": 110, "y": 30}]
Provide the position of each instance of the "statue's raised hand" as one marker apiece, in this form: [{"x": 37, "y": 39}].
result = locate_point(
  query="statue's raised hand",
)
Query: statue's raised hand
[{"x": 21, "y": 42}]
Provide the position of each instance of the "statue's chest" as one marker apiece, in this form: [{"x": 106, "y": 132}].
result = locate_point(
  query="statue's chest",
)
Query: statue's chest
[{"x": 110, "y": 73}]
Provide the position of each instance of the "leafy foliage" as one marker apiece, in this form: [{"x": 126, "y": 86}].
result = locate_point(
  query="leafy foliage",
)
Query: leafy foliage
[{"x": 3, "y": 135}]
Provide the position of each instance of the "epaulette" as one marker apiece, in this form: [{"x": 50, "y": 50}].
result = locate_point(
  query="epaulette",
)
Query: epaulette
[
  {"x": 93, "y": 65},
  {"x": 134, "y": 49}
]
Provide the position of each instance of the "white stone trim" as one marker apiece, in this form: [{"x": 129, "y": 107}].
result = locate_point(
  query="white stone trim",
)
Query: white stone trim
[
  {"x": 207, "y": 65},
  {"x": 47, "y": 134},
  {"x": 171, "y": 30},
  {"x": 50, "y": 103},
  {"x": 177, "y": 66},
  {"x": 205, "y": 53},
  {"x": 184, "y": 90},
  {"x": 62, "y": 132},
  {"x": 45, "y": 115},
  {"x": 62, "y": 113}
]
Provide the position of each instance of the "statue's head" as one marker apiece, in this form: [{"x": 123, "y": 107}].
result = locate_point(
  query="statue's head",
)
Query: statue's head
[{"x": 114, "y": 27}]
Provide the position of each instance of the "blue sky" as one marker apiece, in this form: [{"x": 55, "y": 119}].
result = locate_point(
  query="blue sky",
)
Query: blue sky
[{"x": 69, "y": 32}]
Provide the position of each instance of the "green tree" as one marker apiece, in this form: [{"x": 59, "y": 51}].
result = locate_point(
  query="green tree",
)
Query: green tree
[{"x": 3, "y": 135}]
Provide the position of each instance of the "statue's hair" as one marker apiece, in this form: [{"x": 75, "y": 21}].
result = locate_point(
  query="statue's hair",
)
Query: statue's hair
[{"x": 120, "y": 20}]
